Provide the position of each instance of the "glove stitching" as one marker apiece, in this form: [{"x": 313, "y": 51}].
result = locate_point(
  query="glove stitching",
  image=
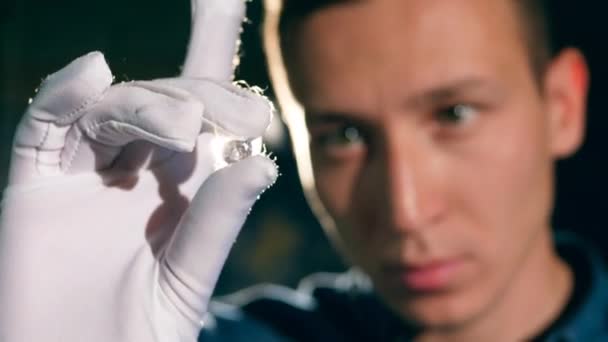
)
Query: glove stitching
[
  {"x": 91, "y": 100},
  {"x": 75, "y": 149},
  {"x": 89, "y": 132},
  {"x": 91, "y": 135},
  {"x": 44, "y": 137},
  {"x": 67, "y": 119},
  {"x": 42, "y": 141}
]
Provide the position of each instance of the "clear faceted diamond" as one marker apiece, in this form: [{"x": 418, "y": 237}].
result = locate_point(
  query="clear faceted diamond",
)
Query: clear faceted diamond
[{"x": 236, "y": 150}]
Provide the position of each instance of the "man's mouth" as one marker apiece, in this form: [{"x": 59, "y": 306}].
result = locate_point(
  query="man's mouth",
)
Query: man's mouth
[{"x": 424, "y": 277}]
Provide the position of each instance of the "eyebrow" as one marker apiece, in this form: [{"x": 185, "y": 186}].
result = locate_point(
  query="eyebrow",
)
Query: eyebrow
[
  {"x": 450, "y": 91},
  {"x": 329, "y": 117}
]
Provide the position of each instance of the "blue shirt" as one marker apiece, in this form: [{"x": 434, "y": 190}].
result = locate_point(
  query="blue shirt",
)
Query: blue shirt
[{"x": 343, "y": 307}]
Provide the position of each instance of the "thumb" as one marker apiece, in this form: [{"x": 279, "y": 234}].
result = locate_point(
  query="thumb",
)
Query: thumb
[{"x": 195, "y": 256}]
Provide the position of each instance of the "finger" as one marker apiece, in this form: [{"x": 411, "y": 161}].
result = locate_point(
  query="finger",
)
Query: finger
[
  {"x": 214, "y": 40},
  {"x": 226, "y": 104},
  {"x": 165, "y": 116},
  {"x": 63, "y": 97},
  {"x": 196, "y": 254}
]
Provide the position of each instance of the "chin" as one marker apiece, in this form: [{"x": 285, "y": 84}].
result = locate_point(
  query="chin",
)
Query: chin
[{"x": 443, "y": 310}]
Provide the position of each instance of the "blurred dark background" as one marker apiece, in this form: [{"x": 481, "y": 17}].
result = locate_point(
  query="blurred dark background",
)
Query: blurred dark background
[{"x": 281, "y": 241}]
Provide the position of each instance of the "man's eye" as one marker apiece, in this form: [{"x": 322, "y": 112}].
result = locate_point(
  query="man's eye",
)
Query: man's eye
[
  {"x": 341, "y": 137},
  {"x": 456, "y": 115}
]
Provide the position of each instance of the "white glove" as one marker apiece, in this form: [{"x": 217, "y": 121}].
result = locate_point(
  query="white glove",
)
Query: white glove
[{"x": 115, "y": 224}]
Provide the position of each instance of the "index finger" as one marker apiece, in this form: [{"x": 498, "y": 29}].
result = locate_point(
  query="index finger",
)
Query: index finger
[{"x": 216, "y": 27}]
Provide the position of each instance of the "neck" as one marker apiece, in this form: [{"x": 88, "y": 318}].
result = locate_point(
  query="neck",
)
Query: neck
[{"x": 534, "y": 298}]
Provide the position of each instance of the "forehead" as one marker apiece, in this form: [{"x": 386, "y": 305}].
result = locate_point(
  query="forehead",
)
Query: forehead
[{"x": 374, "y": 48}]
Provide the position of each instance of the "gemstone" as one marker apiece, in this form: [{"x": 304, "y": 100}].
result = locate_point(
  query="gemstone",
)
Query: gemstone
[{"x": 235, "y": 150}]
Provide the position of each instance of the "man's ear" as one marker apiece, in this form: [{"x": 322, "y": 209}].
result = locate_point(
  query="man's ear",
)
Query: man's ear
[{"x": 565, "y": 88}]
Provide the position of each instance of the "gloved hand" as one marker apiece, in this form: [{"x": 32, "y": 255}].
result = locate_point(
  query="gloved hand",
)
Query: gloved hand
[{"x": 115, "y": 224}]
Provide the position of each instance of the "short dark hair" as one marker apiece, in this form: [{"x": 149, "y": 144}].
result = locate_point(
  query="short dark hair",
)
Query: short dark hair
[
  {"x": 538, "y": 33},
  {"x": 536, "y": 15}
]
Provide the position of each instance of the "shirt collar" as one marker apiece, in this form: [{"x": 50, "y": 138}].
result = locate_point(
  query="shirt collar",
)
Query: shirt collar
[{"x": 586, "y": 316}]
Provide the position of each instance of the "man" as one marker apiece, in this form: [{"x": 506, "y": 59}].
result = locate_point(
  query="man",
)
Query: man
[
  {"x": 434, "y": 127},
  {"x": 426, "y": 146}
]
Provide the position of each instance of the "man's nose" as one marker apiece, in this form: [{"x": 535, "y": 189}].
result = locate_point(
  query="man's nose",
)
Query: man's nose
[{"x": 412, "y": 185}]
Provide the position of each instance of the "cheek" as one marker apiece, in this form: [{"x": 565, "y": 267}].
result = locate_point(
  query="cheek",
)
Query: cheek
[
  {"x": 341, "y": 189},
  {"x": 335, "y": 183},
  {"x": 507, "y": 191}
]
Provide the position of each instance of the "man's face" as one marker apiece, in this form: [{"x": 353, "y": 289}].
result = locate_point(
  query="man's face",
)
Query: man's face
[{"x": 432, "y": 147}]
